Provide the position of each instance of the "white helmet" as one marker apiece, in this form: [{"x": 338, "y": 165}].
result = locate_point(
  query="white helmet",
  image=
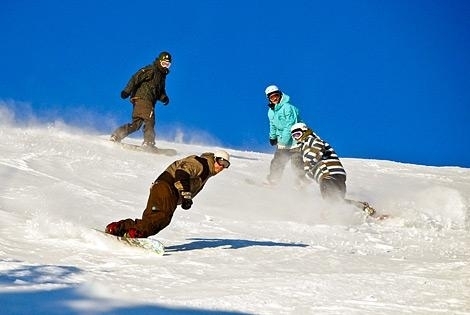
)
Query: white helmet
[
  {"x": 298, "y": 126},
  {"x": 271, "y": 89},
  {"x": 221, "y": 154}
]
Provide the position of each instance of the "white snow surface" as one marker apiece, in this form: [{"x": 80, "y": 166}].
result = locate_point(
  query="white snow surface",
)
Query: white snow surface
[{"x": 241, "y": 248}]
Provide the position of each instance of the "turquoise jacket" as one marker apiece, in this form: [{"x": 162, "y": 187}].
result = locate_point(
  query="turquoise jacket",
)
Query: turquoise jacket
[{"x": 281, "y": 118}]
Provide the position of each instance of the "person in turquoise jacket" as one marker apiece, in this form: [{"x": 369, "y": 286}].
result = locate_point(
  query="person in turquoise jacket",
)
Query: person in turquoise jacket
[{"x": 282, "y": 115}]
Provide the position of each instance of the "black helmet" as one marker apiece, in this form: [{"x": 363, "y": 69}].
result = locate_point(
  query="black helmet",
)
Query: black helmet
[{"x": 164, "y": 56}]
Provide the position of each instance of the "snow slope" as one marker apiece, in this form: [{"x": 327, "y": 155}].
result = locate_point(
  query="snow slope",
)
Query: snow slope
[{"x": 242, "y": 247}]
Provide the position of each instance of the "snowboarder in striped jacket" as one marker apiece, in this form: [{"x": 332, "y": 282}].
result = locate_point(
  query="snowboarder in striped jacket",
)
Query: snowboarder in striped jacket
[{"x": 322, "y": 164}]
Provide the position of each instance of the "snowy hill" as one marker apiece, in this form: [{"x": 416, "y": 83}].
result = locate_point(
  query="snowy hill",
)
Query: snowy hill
[{"x": 242, "y": 248}]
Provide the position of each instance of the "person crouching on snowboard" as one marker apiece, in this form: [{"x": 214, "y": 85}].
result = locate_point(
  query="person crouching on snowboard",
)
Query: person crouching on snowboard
[
  {"x": 177, "y": 185},
  {"x": 322, "y": 164}
]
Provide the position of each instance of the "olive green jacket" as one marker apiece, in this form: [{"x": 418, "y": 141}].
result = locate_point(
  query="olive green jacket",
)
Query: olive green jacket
[{"x": 148, "y": 83}]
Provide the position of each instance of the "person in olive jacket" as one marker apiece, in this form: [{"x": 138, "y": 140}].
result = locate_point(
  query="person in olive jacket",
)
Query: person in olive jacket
[
  {"x": 177, "y": 185},
  {"x": 145, "y": 88}
]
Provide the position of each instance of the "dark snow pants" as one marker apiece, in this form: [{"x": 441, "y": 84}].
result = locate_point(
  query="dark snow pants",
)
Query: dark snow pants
[
  {"x": 279, "y": 162},
  {"x": 333, "y": 187},
  {"x": 161, "y": 205},
  {"x": 143, "y": 114}
]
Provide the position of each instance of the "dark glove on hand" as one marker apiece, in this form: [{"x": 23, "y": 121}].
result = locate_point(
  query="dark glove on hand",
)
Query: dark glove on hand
[
  {"x": 273, "y": 141},
  {"x": 124, "y": 94},
  {"x": 165, "y": 100},
  {"x": 187, "y": 200}
]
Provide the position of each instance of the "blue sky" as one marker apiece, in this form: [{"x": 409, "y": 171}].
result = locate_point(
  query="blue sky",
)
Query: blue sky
[{"x": 377, "y": 79}]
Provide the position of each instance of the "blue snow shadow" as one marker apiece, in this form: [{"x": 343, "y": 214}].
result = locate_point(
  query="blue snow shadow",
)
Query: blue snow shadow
[
  {"x": 25, "y": 275},
  {"x": 201, "y": 243},
  {"x": 49, "y": 290}
]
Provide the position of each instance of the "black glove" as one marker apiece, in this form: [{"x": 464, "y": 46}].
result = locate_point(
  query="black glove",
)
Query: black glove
[
  {"x": 165, "y": 100},
  {"x": 187, "y": 200},
  {"x": 273, "y": 141},
  {"x": 124, "y": 94}
]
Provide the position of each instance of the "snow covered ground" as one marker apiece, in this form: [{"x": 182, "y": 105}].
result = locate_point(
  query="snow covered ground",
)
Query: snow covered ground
[{"x": 242, "y": 247}]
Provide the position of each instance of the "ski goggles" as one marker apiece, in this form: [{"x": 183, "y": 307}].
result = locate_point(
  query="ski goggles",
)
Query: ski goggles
[
  {"x": 222, "y": 162},
  {"x": 165, "y": 64},
  {"x": 274, "y": 96},
  {"x": 297, "y": 134}
]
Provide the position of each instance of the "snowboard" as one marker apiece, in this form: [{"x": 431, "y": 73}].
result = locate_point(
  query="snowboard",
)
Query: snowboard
[
  {"x": 155, "y": 150},
  {"x": 380, "y": 217},
  {"x": 150, "y": 244}
]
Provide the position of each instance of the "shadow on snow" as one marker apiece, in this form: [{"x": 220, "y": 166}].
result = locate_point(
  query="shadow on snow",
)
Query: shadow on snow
[
  {"x": 200, "y": 243},
  {"x": 48, "y": 289}
]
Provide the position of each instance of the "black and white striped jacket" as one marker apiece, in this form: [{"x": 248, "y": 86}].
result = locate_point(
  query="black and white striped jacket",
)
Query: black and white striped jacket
[{"x": 320, "y": 159}]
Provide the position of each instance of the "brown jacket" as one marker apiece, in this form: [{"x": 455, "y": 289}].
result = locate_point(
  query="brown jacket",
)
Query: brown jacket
[{"x": 189, "y": 174}]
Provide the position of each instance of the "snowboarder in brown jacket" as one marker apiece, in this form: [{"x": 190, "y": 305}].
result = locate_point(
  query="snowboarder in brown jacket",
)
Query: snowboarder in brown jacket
[
  {"x": 177, "y": 185},
  {"x": 145, "y": 88}
]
